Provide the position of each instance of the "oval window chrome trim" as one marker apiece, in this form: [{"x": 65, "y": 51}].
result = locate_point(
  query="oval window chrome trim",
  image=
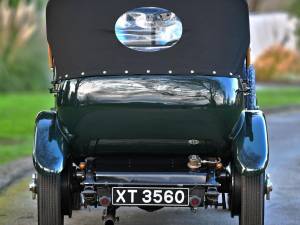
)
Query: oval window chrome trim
[{"x": 149, "y": 29}]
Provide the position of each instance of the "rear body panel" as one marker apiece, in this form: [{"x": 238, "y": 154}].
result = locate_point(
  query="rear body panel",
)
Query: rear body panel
[{"x": 150, "y": 114}]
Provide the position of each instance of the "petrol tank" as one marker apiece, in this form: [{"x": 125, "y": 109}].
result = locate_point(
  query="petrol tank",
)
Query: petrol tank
[{"x": 149, "y": 114}]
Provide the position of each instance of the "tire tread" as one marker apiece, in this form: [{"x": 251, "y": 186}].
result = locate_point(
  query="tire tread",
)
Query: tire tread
[
  {"x": 252, "y": 200},
  {"x": 49, "y": 200}
]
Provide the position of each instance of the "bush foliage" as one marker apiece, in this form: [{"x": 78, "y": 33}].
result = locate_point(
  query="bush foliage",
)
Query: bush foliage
[
  {"x": 23, "y": 54},
  {"x": 295, "y": 9},
  {"x": 278, "y": 63}
]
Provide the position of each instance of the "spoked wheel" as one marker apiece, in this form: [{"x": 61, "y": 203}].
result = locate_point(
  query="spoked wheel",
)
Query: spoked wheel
[
  {"x": 252, "y": 200},
  {"x": 49, "y": 200}
]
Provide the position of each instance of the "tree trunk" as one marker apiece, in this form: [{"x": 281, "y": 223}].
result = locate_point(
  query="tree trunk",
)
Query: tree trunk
[{"x": 254, "y": 4}]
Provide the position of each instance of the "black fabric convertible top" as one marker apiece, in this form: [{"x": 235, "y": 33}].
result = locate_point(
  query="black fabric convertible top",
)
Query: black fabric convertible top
[{"x": 83, "y": 41}]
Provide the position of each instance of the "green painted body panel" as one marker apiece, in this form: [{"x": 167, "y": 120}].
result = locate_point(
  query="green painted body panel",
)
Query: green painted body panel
[
  {"x": 251, "y": 146},
  {"x": 150, "y": 114}
]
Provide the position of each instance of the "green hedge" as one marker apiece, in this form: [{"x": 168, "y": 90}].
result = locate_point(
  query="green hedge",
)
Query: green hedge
[
  {"x": 295, "y": 9},
  {"x": 28, "y": 71},
  {"x": 23, "y": 49}
]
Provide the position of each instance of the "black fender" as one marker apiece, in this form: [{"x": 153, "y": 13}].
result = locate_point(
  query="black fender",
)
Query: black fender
[
  {"x": 50, "y": 150},
  {"x": 250, "y": 144}
]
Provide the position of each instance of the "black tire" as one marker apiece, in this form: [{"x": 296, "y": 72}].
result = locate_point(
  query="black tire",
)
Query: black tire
[
  {"x": 252, "y": 200},
  {"x": 66, "y": 191},
  {"x": 76, "y": 201},
  {"x": 49, "y": 200},
  {"x": 234, "y": 200}
]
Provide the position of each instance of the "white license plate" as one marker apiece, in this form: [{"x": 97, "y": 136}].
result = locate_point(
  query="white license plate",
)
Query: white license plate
[{"x": 150, "y": 196}]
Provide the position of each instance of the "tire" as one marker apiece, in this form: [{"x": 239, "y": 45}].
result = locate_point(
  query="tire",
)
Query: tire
[
  {"x": 49, "y": 200},
  {"x": 252, "y": 200},
  {"x": 76, "y": 201},
  {"x": 66, "y": 191},
  {"x": 234, "y": 200}
]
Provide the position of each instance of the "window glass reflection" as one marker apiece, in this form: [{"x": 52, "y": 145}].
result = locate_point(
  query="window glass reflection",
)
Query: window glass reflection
[{"x": 149, "y": 29}]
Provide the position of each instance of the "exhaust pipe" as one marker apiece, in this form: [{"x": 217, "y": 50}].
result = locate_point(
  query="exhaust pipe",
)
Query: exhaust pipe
[
  {"x": 109, "y": 216},
  {"x": 109, "y": 220}
]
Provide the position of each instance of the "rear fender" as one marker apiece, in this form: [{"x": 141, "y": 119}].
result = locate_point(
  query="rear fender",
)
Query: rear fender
[
  {"x": 250, "y": 145},
  {"x": 50, "y": 148}
]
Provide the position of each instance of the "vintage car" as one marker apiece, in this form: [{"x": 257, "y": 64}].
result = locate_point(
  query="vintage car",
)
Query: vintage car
[{"x": 155, "y": 106}]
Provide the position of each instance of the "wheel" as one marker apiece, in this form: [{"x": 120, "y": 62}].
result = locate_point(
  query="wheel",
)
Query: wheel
[
  {"x": 234, "y": 200},
  {"x": 76, "y": 201},
  {"x": 252, "y": 200},
  {"x": 66, "y": 190},
  {"x": 49, "y": 200}
]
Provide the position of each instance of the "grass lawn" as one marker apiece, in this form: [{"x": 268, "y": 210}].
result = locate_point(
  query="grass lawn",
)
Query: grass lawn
[
  {"x": 277, "y": 97},
  {"x": 18, "y": 111},
  {"x": 17, "y": 115}
]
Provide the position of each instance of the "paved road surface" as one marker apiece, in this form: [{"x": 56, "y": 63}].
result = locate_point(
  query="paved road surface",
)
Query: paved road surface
[{"x": 17, "y": 208}]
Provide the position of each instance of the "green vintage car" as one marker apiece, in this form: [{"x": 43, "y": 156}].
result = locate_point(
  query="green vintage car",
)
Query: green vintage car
[{"x": 155, "y": 106}]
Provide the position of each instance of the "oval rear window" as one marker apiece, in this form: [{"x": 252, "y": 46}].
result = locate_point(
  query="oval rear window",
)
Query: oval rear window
[{"x": 149, "y": 29}]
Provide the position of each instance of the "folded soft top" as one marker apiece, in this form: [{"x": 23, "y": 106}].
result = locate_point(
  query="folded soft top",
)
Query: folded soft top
[{"x": 82, "y": 37}]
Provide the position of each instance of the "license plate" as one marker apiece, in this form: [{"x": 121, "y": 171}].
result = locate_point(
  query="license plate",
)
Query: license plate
[{"x": 143, "y": 196}]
